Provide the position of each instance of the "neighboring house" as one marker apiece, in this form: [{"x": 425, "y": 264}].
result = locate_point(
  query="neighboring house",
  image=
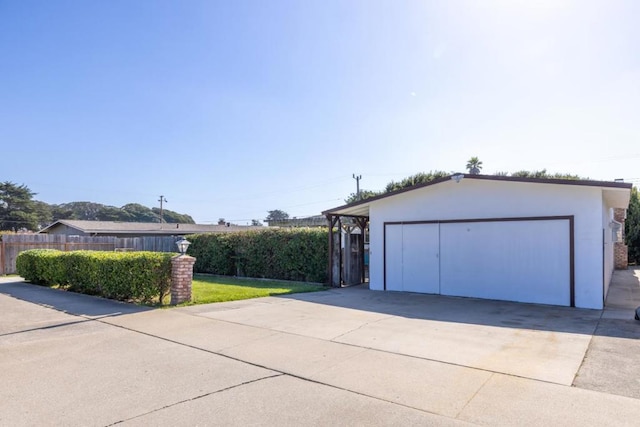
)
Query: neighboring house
[
  {"x": 311, "y": 221},
  {"x": 71, "y": 227},
  {"x": 545, "y": 241}
]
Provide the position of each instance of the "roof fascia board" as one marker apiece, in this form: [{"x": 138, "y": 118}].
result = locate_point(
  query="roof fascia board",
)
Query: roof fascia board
[{"x": 578, "y": 182}]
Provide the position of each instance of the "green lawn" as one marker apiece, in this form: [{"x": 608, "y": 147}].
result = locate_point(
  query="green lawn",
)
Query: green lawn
[{"x": 207, "y": 289}]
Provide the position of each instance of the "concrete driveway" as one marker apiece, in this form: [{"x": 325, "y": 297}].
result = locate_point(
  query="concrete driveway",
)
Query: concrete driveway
[{"x": 347, "y": 357}]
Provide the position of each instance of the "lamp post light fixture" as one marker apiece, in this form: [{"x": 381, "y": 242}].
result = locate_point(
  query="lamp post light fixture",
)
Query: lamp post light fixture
[
  {"x": 182, "y": 245},
  {"x": 457, "y": 177}
]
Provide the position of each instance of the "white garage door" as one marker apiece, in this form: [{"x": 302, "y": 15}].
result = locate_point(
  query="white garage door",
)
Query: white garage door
[
  {"x": 523, "y": 260},
  {"x": 526, "y": 261},
  {"x": 412, "y": 258}
]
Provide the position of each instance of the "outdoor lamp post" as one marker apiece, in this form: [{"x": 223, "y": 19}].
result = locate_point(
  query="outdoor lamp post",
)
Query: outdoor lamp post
[
  {"x": 182, "y": 245},
  {"x": 181, "y": 273}
]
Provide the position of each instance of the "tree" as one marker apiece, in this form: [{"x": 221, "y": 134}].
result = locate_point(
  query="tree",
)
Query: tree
[
  {"x": 419, "y": 178},
  {"x": 546, "y": 175},
  {"x": 410, "y": 181},
  {"x": 364, "y": 194},
  {"x": 112, "y": 213},
  {"x": 171, "y": 216},
  {"x": 474, "y": 166},
  {"x": 88, "y": 211},
  {"x": 140, "y": 213},
  {"x": 221, "y": 221},
  {"x": 17, "y": 209},
  {"x": 43, "y": 212},
  {"x": 256, "y": 223},
  {"x": 276, "y": 215},
  {"x": 632, "y": 226},
  {"x": 61, "y": 212}
]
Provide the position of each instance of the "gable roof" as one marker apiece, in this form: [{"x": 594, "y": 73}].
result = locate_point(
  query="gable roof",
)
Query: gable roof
[
  {"x": 618, "y": 193},
  {"x": 142, "y": 228}
]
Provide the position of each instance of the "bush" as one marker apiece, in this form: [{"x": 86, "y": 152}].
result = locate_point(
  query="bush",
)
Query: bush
[
  {"x": 139, "y": 276},
  {"x": 286, "y": 254},
  {"x": 41, "y": 266},
  {"x": 213, "y": 252}
]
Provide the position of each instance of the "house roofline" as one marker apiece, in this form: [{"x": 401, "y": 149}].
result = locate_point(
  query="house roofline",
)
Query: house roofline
[
  {"x": 85, "y": 226},
  {"x": 578, "y": 182}
]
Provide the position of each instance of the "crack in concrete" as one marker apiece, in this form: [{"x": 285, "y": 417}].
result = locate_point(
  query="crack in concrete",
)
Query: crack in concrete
[
  {"x": 586, "y": 353},
  {"x": 42, "y": 328},
  {"x": 358, "y": 328},
  {"x": 279, "y": 372},
  {"x": 474, "y": 396},
  {"x": 196, "y": 398}
]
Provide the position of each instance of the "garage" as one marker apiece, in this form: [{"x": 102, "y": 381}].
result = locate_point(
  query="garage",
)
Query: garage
[
  {"x": 518, "y": 259},
  {"x": 530, "y": 240}
]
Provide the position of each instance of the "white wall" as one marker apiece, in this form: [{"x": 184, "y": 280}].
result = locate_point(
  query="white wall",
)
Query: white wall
[
  {"x": 607, "y": 217},
  {"x": 473, "y": 198}
]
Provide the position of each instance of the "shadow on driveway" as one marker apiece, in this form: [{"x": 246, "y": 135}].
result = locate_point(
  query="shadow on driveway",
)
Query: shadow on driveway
[
  {"x": 67, "y": 302},
  {"x": 624, "y": 293}
]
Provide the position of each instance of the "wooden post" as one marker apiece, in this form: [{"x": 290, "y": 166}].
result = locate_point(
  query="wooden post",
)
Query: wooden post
[
  {"x": 338, "y": 256},
  {"x": 335, "y": 252},
  {"x": 362, "y": 222},
  {"x": 2, "y": 249},
  {"x": 330, "y": 261}
]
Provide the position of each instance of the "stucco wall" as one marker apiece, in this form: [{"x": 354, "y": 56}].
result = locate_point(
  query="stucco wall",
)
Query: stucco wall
[
  {"x": 609, "y": 244},
  {"x": 607, "y": 250},
  {"x": 470, "y": 199}
]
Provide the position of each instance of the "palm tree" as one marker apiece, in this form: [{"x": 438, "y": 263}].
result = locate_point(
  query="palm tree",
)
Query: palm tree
[{"x": 474, "y": 165}]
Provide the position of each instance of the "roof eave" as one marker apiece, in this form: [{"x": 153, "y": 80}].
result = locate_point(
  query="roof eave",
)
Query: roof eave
[{"x": 589, "y": 183}]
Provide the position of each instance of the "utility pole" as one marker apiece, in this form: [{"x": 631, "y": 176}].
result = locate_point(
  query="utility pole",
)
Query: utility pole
[
  {"x": 161, "y": 200},
  {"x": 357, "y": 178}
]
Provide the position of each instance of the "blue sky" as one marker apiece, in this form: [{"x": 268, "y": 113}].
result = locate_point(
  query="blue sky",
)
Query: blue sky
[{"x": 233, "y": 108}]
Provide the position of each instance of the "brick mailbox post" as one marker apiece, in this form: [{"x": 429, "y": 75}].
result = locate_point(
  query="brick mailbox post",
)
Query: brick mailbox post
[
  {"x": 181, "y": 277},
  {"x": 620, "y": 250}
]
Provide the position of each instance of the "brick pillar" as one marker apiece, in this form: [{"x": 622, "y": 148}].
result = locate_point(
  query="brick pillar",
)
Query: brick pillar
[
  {"x": 181, "y": 277},
  {"x": 620, "y": 256},
  {"x": 619, "y": 214},
  {"x": 620, "y": 250}
]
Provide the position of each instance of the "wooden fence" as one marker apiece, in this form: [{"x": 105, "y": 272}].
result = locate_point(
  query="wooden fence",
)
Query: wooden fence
[{"x": 12, "y": 244}]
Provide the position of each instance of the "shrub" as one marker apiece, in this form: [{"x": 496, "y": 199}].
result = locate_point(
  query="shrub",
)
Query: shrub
[
  {"x": 41, "y": 266},
  {"x": 213, "y": 252},
  {"x": 140, "y": 276},
  {"x": 287, "y": 254}
]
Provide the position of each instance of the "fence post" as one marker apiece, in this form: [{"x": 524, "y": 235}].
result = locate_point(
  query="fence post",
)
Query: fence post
[
  {"x": 2, "y": 249},
  {"x": 181, "y": 278}
]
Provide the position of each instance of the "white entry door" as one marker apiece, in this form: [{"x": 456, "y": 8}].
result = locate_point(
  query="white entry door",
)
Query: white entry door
[{"x": 412, "y": 258}]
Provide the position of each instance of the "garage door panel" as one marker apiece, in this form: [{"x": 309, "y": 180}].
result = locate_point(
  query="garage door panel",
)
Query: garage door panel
[
  {"x": 393, "y": 257},
  {"x": 525, "y": 261},
  {"x": 420, "y": 258}
]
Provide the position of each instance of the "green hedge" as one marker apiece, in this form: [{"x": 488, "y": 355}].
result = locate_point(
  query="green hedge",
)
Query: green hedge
[
  {"x": 138, "y": 276},
  {"x": 289, "y": 254}
]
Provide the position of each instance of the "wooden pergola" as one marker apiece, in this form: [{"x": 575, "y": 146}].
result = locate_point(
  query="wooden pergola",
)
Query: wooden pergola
[{"x": 346, "y": 259}]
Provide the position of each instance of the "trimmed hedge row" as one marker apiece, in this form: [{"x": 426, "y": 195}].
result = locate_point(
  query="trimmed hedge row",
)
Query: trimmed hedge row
[
  {"x": 125, "y": 276},
  {"x": 288, "y": 254}
]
